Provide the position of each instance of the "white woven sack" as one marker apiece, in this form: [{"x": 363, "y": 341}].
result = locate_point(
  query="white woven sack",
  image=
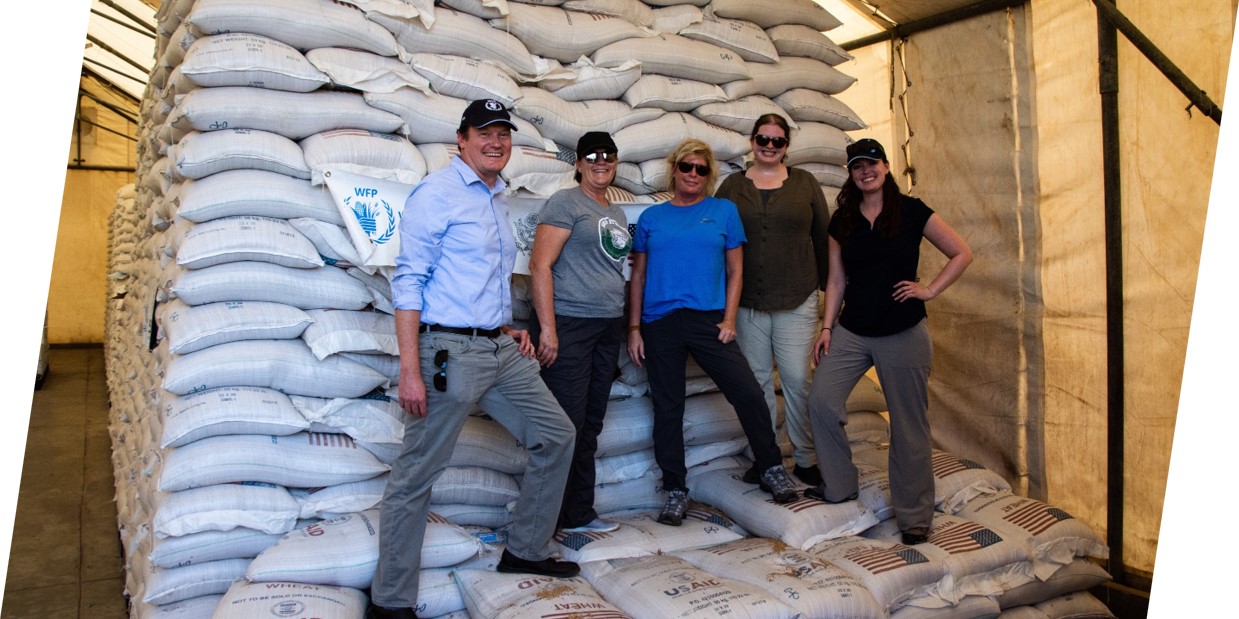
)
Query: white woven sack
[
  {"x": 695, "y": 455},
  {"x": 565, "y": 35},
  {"x": 818, "y": 143},
  {"x": 324, "y": 287},
  {"x": 1078, "y": 605},
  {"x": 655, "y": 138},
  {"x": 668, "y": 586},
  {"x": 803, "y": 104},
  {"x": 189, "y": 329},
  {"x": 201, "y": 154},
  {"x": 365, "y": 71},
  {"x": 201, "y": 607},
  {"x": 811, "y": 586},
  {"x": 655, "y": 174},
  {"x": 624, "y": 467},
  {"x": 254, "y": 192},
  {"x": 378, "y": 283},
  {"x": 774, "y": 79},
  {"x": 437, "y": 592},
  {"x": 294, "y": 115},
  {"x": 585, "y": 81},
  {"x": 800, "y": 524},
  {"x": 486, "y": 9},
  {"x": 1055, "y": 537},
  {"x": 344, "y": 551},
  {"x": 284, "y": 365},
  {"x": 434, "y": 118},
  {"x": 371, "y": 420},
  {"x": 673, "y": 19},
  {"x": 239, "y": 543},
  {"x": 640, "y": 534},
  {"x": 806, "y": 12},
  {"x": 697, "y": 3},
  {"x": 371, "y": 208},
  {"x": 495, "y": 595},
  {"x": 246, "y": 238},
  {"x": 169, "y": 585},
  {"x": 465, "y": 515},
  {"x": 332, "y": 241},
  {"x": 629, "y": 427},
  {"x": 979, "y": 560},
  {"x": 362, "y": 331},
  {"x": 826, "y": 173},
  {"x": 466, "y": 78},
  {"x": 229, "y": 410},
  {"x": 474, "y": 485},
  {"x": 246, "y": 600},
  {"x": 710, "y": 418},
  {"x": 376, "y": 155},
  {"x": 460, "y": 34},
  {"x": 243, "y": 59},
  {"x": 973, "y": 606},
  {"x": 222, "y": 507},
  {"x": 334, "y": 501},
  {"x": 743, "y": 37},
  {"x": 303, "y": 24},
  {"x": 484, "y": 442},
  {"x": 387, "y": 365},
  {"x": 893, "y": 573},
  {"x": 959, "y": 480},
  {"x": 665, "y": 54},
  {"x": 641, "y": 493},
  {"x": 628, "y": 177},
  {"x": 526, "y": 160},
  {"x": 672, "y": 94},
  {"x": 632, "y": 11},
  {"x": 804, "y": 41},
  {"x": 1023, "y": 612},
  {"x": 1079, "y": 575},
  {"x": 302, "y": 460},
  {"x": 565, "y": 121},
  {"x": 739, "y": 115}
]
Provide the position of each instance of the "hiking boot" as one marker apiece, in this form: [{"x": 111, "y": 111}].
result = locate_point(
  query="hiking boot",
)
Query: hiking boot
[
  {"x": 673, "y": 511},
  {"x": 775, "y": 481}
]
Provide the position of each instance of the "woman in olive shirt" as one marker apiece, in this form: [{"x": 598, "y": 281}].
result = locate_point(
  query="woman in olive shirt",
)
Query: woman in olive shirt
[{"x": 785, "y": 216}]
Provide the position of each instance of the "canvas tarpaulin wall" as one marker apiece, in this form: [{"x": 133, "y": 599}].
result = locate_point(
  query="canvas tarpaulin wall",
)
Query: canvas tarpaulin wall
[{"x": 999, "y": 118}]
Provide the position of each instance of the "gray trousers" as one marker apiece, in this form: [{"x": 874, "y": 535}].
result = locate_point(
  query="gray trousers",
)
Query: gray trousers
[
  {"x": 902, "y": 361},
  {"x": 492, "y": 374}
]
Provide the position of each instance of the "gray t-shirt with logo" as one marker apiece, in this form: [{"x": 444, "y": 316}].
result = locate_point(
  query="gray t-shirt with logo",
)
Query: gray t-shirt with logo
[{"x": 589, "y": 275}]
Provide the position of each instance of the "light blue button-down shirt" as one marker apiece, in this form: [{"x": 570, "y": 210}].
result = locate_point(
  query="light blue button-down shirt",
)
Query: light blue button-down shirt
[{"x": 456, "y": 251}]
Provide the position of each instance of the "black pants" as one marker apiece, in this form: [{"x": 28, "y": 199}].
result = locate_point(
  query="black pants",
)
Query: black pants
[
  {"x": 580, "y": 379},
  {"x": 668, "y": 342}
]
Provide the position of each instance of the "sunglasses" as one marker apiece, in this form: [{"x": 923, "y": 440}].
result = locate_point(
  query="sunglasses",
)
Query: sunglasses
[
  {"x": 596, "y": 157},
  {"x": 440, "y": 379},
  {"x": 686, "y": 167},
  {"x": 765, "y": 140}
]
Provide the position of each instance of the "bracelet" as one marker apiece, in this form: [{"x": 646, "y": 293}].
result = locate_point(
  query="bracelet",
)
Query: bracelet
[
  {"x": 828, "y": 329},
  {"x": 634, "y": 327}
]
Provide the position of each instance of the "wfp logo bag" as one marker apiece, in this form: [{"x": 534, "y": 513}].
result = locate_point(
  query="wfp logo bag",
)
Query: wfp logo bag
[{"x": 371, "y": 211}]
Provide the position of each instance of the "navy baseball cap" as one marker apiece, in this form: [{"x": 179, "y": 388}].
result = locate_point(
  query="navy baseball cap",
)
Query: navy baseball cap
[
  {"x": 866, "y": 148},
  {"x": 484, "y": 112}
]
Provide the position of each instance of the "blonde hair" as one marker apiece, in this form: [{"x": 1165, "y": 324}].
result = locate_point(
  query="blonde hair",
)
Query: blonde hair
[{"x": 693, "y": 146}]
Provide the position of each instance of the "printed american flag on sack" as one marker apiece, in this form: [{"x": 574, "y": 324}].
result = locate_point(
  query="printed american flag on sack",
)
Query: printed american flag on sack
[
  {"x": 1035, "y": 517},
  {"x": 961, "y": 537},
  {"x": 945, "y": 464},
  {"x": 879, "y": 560}
]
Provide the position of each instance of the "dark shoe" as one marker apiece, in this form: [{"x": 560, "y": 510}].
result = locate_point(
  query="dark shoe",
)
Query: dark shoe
[
  {"x": 597, "y": 525},
  {"x": 915, "y": 536},
  {"x": 374, "y": 611},
  {"x": 777, "y": 483},
  {"x": 810, "y": 475},
  {"x": 512, "y": 564},
  {"x": 752, "y": 476},
  {"x": 818, "y": 494},
  {"x": 673, "y": 511}
]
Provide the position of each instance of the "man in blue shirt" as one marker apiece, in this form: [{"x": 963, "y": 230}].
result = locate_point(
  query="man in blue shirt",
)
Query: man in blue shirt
[{"x": 451, "y": 290}]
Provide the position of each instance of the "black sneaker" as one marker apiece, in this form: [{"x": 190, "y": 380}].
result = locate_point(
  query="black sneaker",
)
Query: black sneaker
[
  {"x": 817, "y": 493},
  {"x": 810, "y": 475},
  {"x": 374, "y": 611},
  {"x": 914, "y": 537},
  {"x": 512, "y": 564},
  {"x": 673, "y": 511},
  {"x": 775, "y": 481}
]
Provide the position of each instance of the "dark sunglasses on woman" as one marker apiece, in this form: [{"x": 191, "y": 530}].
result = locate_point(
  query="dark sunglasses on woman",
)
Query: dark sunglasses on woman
[
  {"x": 765, "y": 140},
  {"x": 686, "y": 167}
]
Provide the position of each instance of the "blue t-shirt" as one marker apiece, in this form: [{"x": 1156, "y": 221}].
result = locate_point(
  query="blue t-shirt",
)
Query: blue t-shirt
[{"x": 686, "y": 261}]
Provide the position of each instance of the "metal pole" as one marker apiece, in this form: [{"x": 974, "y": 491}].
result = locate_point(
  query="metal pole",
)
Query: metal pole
[
  {"x": 1108, "y": 78},
  {"x": 905, "y": 30}
]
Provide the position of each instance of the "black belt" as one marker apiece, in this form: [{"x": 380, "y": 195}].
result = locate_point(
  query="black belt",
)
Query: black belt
[{"x": 470, "y": 331}]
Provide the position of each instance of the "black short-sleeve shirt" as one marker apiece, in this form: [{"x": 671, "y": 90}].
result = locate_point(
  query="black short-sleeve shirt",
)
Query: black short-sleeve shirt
[{"x": 874, "y": 265}]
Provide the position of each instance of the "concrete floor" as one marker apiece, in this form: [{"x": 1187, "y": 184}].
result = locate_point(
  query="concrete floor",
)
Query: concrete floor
[{"x": 66, "y": 559}]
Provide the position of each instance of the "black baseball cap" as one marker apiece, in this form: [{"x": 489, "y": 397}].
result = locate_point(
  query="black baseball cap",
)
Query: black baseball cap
[
  {"x": 485, "y": 112},
  {"x": 595, "y": 141},
  {"x": 865, "y": 148}
]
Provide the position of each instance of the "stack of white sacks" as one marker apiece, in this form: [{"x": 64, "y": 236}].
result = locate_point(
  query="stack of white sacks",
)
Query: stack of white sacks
[{"x": 251, "y": 349}]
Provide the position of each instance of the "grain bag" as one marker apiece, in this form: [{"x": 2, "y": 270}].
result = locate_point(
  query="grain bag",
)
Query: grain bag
[
  {"x": 191, "y": 328},
  {"x": 802, "y": 104},
  {"x": 484, "y": 442},
  {"x": 238, "y": 543},
  {"x": 806, "y": 12},
  {"x": 331, "y": 241},
  {"x": 519, "y": 596},
  {"x": 168, "y": 585},
  {"x": 486, "y": 9},
  {"x": 466, "y": 78},
  {"x": 629, "y": 427},
  {"x": 223, "y": 507},
  {"x": 365, "y": 71},
  {"x": 1055, "y": 537},
  {"x": 893, "y": 573},
  {"x": 641, "y": 493},
  {"x": 321, "y": 288},
  {"x": 474, "y": 485},
  {"x": 973, "y": 607},
  {"x": 254, "y": 192},
  {"x": 244, "y": 59},
  {"x": 369, "y": 419},
  {"x": 665, "y": 54},
  {"x": 285, "y": 365},
  {"x": 584, "y": 81},
  {"x": 432, "y": 117},
  {"x": 739, "y": 115},
  {"x": 633, "y": 11},
  {"x": 303, "y": 24},
  {"x": 294, "y": 115},
  {"x": 302, "y": 460},
  {"x": 804, "y": 41},
  {"x": 200, "y": 154},
  {"x": 826, "y": 173},
  {"x": 774, "y": 79},
  {"x": 1078, "y": 605},
  {"x": 653, "y": 139},
  {"x": 246, "y": 600},
  {"x": 466, "y": 515},
  {"x": 458, "y": 34},
  {"x": 641, "y": 534},
  {"x": 565, "y": 36},
  {"x": 565, "y": 121},
  {"x": 246, "y": 238},
  {"x": 672, "y": 94},
  {"x": 334, "y": 331},
  {"x": 743, "y": 37},
  {"x": 376, "y": 155},
  {"x": 818, "y": 142},
  {"x": 334, "y": 501},
  {"x": 1081, "y": 574}
]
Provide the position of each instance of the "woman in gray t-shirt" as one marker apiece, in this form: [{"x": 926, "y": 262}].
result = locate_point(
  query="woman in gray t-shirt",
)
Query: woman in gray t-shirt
[{"x": 578, "y": 290}]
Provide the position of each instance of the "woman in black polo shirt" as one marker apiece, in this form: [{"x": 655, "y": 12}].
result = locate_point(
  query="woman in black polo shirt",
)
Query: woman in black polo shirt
[{"x": 875, "y": 241}]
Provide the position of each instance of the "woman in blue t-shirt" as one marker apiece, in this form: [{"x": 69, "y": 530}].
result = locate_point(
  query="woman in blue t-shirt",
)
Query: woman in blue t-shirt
[
  {"x": 684, "y": 295},
  {"x": 874, "y": 251}
]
